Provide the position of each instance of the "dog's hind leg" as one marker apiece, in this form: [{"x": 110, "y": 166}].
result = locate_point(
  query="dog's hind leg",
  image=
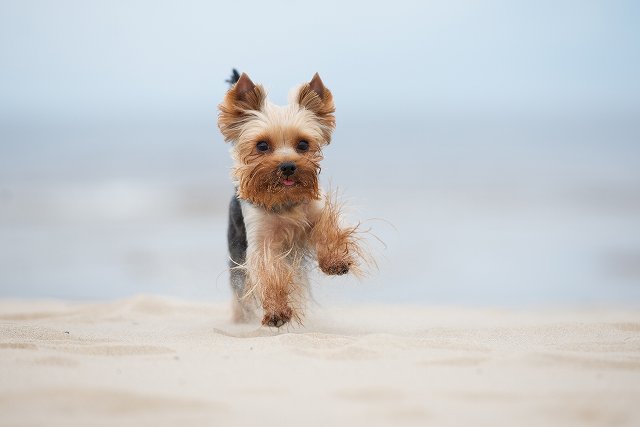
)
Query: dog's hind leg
[{"x": 237, "y": 243}]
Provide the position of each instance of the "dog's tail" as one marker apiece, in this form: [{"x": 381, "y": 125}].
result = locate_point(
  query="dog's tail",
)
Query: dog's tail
[{"x": 235, "y": 76}]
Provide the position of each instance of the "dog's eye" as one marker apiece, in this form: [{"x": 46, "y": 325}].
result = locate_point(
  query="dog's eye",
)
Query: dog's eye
[
  {"x": 302, "y": 146},
  {"x": 262, "y": 146}
]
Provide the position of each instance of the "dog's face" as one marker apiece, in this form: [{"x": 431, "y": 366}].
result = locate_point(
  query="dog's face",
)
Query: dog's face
[{"x": 277, "y": 150}]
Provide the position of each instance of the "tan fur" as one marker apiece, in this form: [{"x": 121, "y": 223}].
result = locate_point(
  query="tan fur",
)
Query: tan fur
[
  {"x": 287, "y": 226},
  {"x": 315, "y": 97},
  {"x": 277, "y": 258},
  {"x": 258, "y": 176},
  {"x": 337, "y": 247},
  {"x": 240, "y": 100}
]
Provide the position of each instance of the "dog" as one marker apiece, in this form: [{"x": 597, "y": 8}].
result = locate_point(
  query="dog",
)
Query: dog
[{"x": 280, "y": 221}]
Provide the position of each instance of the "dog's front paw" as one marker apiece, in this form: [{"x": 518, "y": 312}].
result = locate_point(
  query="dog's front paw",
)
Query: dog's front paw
[
  {"x": 277, "y": 319},
  {"x": 336, "y": 267}
]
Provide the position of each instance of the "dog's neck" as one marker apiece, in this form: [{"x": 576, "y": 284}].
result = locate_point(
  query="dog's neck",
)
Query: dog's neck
[
  {"x": 282, "y": 208},
  {"x": 279, "y": 209}
]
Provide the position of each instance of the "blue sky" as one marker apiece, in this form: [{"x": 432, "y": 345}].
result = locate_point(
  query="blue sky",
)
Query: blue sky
[{"x": 69, "y": 60}]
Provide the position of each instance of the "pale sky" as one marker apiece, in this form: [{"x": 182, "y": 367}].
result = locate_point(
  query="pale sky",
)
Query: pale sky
[{"x": 89, "y": 60}]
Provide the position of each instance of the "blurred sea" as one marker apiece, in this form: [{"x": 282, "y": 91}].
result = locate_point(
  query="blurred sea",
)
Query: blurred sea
[{"x": 493, "y": 210}]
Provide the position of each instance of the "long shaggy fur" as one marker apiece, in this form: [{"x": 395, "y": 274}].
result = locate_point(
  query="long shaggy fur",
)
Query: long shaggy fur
[
  {"x": 339, "y": 248},
  {"x": 260, "y": 182},
  {"x": 288, "y": 223}
]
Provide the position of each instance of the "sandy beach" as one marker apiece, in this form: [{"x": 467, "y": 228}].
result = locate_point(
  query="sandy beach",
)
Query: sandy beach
[{"x": 159, "y": 361}]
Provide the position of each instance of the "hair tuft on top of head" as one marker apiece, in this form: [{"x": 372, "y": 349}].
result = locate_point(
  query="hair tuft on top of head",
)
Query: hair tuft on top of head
[{"x": 235, "y": 76}]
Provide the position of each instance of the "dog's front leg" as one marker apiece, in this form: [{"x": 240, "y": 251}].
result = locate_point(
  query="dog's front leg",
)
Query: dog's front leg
[
  {"x": 336, "y": 246},
  {"x": 272, "y": 277},
  {"x": 270, "y": 273}
]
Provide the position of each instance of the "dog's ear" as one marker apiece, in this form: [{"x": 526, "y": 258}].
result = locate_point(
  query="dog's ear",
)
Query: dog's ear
[
  {"x": 244, "y": 96},
  {"x": 314, "y": 96}
]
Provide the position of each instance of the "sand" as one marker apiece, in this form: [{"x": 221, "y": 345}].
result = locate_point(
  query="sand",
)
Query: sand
[{"x": 159, "y": 361}]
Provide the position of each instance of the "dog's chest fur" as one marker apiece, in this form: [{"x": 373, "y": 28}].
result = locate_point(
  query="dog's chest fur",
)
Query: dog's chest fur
[{"x": 284, "y": 230}]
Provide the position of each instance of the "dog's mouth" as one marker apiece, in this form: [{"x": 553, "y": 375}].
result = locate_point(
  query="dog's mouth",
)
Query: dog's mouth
[{"x": 288, "y": 182}]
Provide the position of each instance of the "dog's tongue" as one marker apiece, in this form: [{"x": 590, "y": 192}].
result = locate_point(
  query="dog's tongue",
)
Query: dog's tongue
[{"x": 288, "y": 182}]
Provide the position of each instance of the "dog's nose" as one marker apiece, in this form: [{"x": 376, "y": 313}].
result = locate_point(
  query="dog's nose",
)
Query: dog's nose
[{"x": 287, "y": 168}]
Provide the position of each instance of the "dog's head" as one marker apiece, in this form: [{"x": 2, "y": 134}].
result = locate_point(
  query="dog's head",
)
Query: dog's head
[{"x": 277, "y": 149}]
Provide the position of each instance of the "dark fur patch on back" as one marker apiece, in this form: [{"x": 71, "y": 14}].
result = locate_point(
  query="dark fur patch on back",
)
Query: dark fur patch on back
[{"x": 237, "y": 243}]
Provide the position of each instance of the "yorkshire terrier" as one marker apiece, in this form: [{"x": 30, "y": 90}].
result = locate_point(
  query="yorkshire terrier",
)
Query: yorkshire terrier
[{"x": 280, "y": 221}]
